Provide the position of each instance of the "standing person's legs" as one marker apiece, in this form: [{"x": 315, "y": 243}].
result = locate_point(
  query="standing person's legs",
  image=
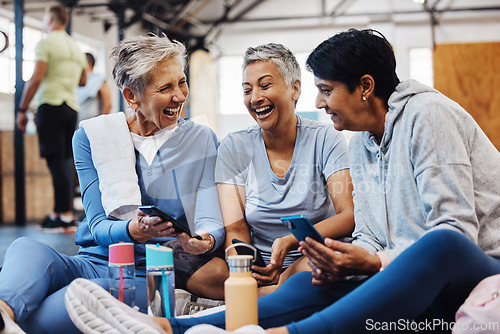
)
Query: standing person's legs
[
  {"x": 56, "y": 125},
  {"x": 60, "y": 170},
  {"x": 438, "y": 271}
]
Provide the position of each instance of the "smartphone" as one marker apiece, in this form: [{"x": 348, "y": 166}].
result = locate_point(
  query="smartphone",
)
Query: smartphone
[
  {"x": 301, "y": 228},
  {"x": 259, "y": 261},
  {"x": 152, "y": 210}
]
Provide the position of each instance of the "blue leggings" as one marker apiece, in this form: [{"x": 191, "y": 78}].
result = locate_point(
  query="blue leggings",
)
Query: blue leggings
[
  {"x": 34, "y": 278},
  {"x": 435, "y": 274}
]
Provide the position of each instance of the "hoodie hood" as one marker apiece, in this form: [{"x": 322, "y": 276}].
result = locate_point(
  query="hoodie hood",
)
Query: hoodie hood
[{"x": 397, "y": 102}]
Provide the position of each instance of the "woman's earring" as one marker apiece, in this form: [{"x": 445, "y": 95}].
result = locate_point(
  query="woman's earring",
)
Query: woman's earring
[{"x": 364, "y": 98}]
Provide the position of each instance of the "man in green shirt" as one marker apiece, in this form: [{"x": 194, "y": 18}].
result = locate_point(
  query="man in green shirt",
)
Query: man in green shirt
[{"x": 59, "y": 70}]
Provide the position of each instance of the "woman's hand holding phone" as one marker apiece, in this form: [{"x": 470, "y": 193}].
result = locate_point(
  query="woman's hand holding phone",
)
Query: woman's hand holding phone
[
  {"x": 144, "y": 227},
  {"x": 335, "y": 259},
  {"x": 196, "y": 246},
  {"x": 270, "y": 274},
  {"x": 179, "y": 228}
]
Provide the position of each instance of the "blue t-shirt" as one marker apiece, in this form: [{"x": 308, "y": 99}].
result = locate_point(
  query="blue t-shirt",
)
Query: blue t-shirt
[{"x": 242, "y": 160}]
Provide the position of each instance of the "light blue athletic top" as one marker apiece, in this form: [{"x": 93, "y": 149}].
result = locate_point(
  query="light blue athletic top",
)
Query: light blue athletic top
[
  {"x": 319, "y": 152},
  {"x": 88, "y": 98},
  {"x": 180, "y": 181}
]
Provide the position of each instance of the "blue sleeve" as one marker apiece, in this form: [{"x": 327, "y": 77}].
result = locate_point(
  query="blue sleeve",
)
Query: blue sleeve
[
  {"x": 96, "y": 229},
  {"x": 208, "y": 215},
  {"x": 335, "y": 153}
]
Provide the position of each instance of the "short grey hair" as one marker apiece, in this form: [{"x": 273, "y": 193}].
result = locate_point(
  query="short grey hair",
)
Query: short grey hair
[
  {"x": 278, "y": 54},
  {"x": 135, "y": 59}
]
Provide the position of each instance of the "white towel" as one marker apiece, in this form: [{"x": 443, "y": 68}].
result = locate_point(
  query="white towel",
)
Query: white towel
[{"x": 114, "y": 159}]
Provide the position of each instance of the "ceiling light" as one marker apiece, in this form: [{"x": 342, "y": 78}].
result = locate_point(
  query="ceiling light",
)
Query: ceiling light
[{"x": 420, "y": 2}]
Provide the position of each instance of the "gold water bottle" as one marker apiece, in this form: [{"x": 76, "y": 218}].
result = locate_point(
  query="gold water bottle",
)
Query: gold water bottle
[{"x": 240, "y": 292}]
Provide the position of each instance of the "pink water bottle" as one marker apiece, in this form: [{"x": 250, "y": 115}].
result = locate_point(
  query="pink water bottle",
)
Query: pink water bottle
[{"x": 122, "y": 272}]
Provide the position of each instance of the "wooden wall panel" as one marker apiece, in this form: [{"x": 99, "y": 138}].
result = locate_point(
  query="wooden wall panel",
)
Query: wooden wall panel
[
  {"x": 469, "y": 74},
  {"x": 39, "y": 190}
]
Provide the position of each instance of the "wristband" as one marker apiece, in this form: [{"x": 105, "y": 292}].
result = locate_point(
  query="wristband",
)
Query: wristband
[
  {"x": 212, "y": 241},
  {"x": 22, "y": 109}
]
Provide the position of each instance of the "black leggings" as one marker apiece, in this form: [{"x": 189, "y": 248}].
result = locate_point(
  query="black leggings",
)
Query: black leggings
[
  {"x": 56, "y": 125},
  {"x": 61, "y": 169}
]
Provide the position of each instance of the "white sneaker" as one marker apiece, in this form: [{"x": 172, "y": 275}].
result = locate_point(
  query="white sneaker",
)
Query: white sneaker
[
  {"x": 10, "y": 326},
  {"x": 155, "y": 304},
  {"x": 250, "y": 329},
  {"x": 209, "y": 329},
  {"x": 182, "y": 297},
  {"x": 189, "y": 304},
  {"x": 95, "y": 311}
]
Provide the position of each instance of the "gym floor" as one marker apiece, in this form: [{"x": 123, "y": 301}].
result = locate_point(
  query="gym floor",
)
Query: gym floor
[{"x": 64, "y": 243}]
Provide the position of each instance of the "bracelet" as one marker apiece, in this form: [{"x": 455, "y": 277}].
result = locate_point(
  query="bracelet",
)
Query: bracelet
[
  {"x": 212, "y": 241},
  {"x": 22, "y": 109}
]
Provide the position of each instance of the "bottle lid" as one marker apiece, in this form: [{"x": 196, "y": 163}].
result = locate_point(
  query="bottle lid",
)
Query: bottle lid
[
  {"x": 159, "y": 256},
  {"x": 239, "y": 263},
  {"x": 121, "y": 254}
]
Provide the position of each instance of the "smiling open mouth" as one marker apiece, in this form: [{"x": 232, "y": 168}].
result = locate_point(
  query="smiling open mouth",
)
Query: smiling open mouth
[
  {"x": 171, "y": 112},
  {"x": 264, "y": 111}
]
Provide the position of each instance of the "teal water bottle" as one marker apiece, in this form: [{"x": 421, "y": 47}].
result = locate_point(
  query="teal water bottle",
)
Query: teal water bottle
[{"x": 160, "y": 280}]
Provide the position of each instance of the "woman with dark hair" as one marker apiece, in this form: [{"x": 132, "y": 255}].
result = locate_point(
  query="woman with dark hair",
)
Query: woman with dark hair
[{"x": 427, "y": 214}]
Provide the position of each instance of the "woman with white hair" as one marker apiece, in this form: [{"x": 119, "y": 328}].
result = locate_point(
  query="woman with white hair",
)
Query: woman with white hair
[{"x": 152, "y": 157}]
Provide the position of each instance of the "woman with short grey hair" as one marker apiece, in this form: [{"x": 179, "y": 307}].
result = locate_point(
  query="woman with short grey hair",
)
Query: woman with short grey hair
[
  {"x": 152, "y": 157},
  {"x": 283, "y": 58},
  {"x": 136, "y": 59},
  {"x": 284, "y": 165}
]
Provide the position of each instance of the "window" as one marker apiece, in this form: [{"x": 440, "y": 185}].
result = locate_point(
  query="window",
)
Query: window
[
  {"x": 421, "y": 65},
  {"x": 5, "y": 57},
  {"x": 231, "y": 92},
  {"x": 306, "y": 106},
  {"x": 31, "y": 36}
]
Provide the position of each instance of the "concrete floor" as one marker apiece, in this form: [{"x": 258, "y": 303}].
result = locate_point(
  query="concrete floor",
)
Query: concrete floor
[{"x": 64, "y": 243}]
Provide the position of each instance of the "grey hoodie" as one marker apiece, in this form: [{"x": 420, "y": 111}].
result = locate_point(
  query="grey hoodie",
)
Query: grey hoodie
[{"x": 434, "y": 169}]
